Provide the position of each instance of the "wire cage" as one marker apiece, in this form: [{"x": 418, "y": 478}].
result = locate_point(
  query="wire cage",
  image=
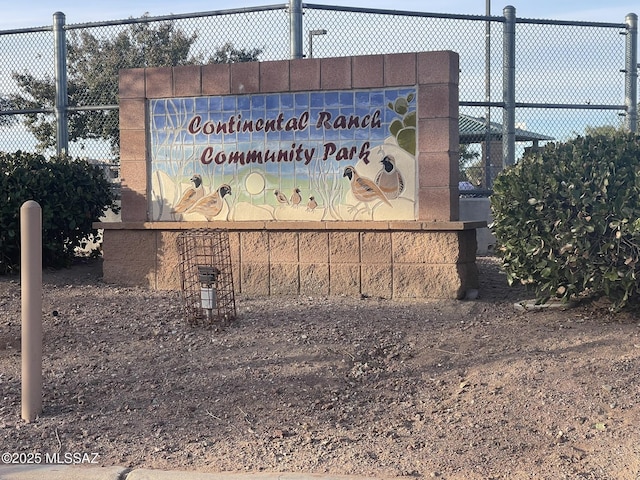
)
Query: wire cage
[{"x": 206, "y": 276}]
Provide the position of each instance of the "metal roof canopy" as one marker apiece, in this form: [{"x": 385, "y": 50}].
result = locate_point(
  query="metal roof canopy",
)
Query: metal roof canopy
[{"x": 474, "y": 130}]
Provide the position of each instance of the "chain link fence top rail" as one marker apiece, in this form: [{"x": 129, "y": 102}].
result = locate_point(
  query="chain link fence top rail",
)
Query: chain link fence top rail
[{"x": 568, "y": 74}]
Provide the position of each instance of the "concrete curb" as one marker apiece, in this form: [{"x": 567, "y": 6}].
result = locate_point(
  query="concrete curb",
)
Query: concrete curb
[
  {"x": 60, "y": 472},
  {"x": 143, "y": 474},
  {"x": 69, "y": 472}
]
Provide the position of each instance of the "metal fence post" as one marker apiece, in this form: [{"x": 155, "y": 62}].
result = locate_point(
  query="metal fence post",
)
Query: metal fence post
[
  {"x": 62, "y": 117},
  {"x": 488, "y": 171},
  {"x": 295, "y": 28},
  {"x": 509, "y": 87},
  {"x": 631, "y": 73}
]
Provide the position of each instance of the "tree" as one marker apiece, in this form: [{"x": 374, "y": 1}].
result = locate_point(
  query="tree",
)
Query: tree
[
  {"x": 93, "y": 64},
  {"x": 229, "y": 54},
  {"x": 6, "y": 104},
  {"x": 470, "y": 166},
  {"x": 609, "y": 131}
]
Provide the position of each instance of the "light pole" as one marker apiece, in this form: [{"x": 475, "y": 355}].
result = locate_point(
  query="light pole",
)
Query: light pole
[{"x": 311, "y": 34}]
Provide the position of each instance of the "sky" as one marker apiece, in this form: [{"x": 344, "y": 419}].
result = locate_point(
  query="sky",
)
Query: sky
[{"x": 37, "y": 13}]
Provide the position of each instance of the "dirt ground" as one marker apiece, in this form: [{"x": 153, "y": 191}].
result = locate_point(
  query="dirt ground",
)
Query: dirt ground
[{"x": 447, "y": 389}]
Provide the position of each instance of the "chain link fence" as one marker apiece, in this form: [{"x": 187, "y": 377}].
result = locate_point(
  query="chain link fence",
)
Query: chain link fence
[{"x": 569, "y": 76}]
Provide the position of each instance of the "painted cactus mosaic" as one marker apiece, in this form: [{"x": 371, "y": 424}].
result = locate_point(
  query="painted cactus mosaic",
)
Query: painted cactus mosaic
[{"x": 318, "y": 156}]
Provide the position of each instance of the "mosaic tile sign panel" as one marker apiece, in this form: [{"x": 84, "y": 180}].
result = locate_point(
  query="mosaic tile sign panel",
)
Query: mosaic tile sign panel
[{"x": 310, "y": 156}]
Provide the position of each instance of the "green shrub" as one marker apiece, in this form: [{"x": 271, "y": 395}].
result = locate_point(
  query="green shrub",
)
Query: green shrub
[
  {"x": 72, "y": 194},
  {"x": 567, "y": 219}
]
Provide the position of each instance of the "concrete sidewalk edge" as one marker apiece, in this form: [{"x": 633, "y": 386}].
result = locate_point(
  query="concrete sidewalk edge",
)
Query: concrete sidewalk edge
[
  {"x": 61, "y": 472},
  {"x": 69, "y": 472}
]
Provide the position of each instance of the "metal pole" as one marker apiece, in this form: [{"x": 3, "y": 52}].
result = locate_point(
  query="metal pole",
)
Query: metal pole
[
  {"x": 487, "y": 97},
  {"x": 313, "y": 33},
  {"x": 509, "y": 88},
  {"x": 631, "y": 73},
  {"x": 295, "y": 28},
  {"x": 31, "y": 297},
  {"x": 62, "y": 129}
]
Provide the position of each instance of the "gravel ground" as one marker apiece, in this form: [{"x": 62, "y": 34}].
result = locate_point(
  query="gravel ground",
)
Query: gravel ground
[{"x": 447, "y": 389}]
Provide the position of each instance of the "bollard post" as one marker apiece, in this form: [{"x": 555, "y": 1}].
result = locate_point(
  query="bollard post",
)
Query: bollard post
[{"x": 31, "y": 295}]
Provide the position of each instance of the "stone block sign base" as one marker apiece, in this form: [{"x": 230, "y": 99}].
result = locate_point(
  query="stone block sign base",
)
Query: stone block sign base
[{"x": 402, "y": 261}]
